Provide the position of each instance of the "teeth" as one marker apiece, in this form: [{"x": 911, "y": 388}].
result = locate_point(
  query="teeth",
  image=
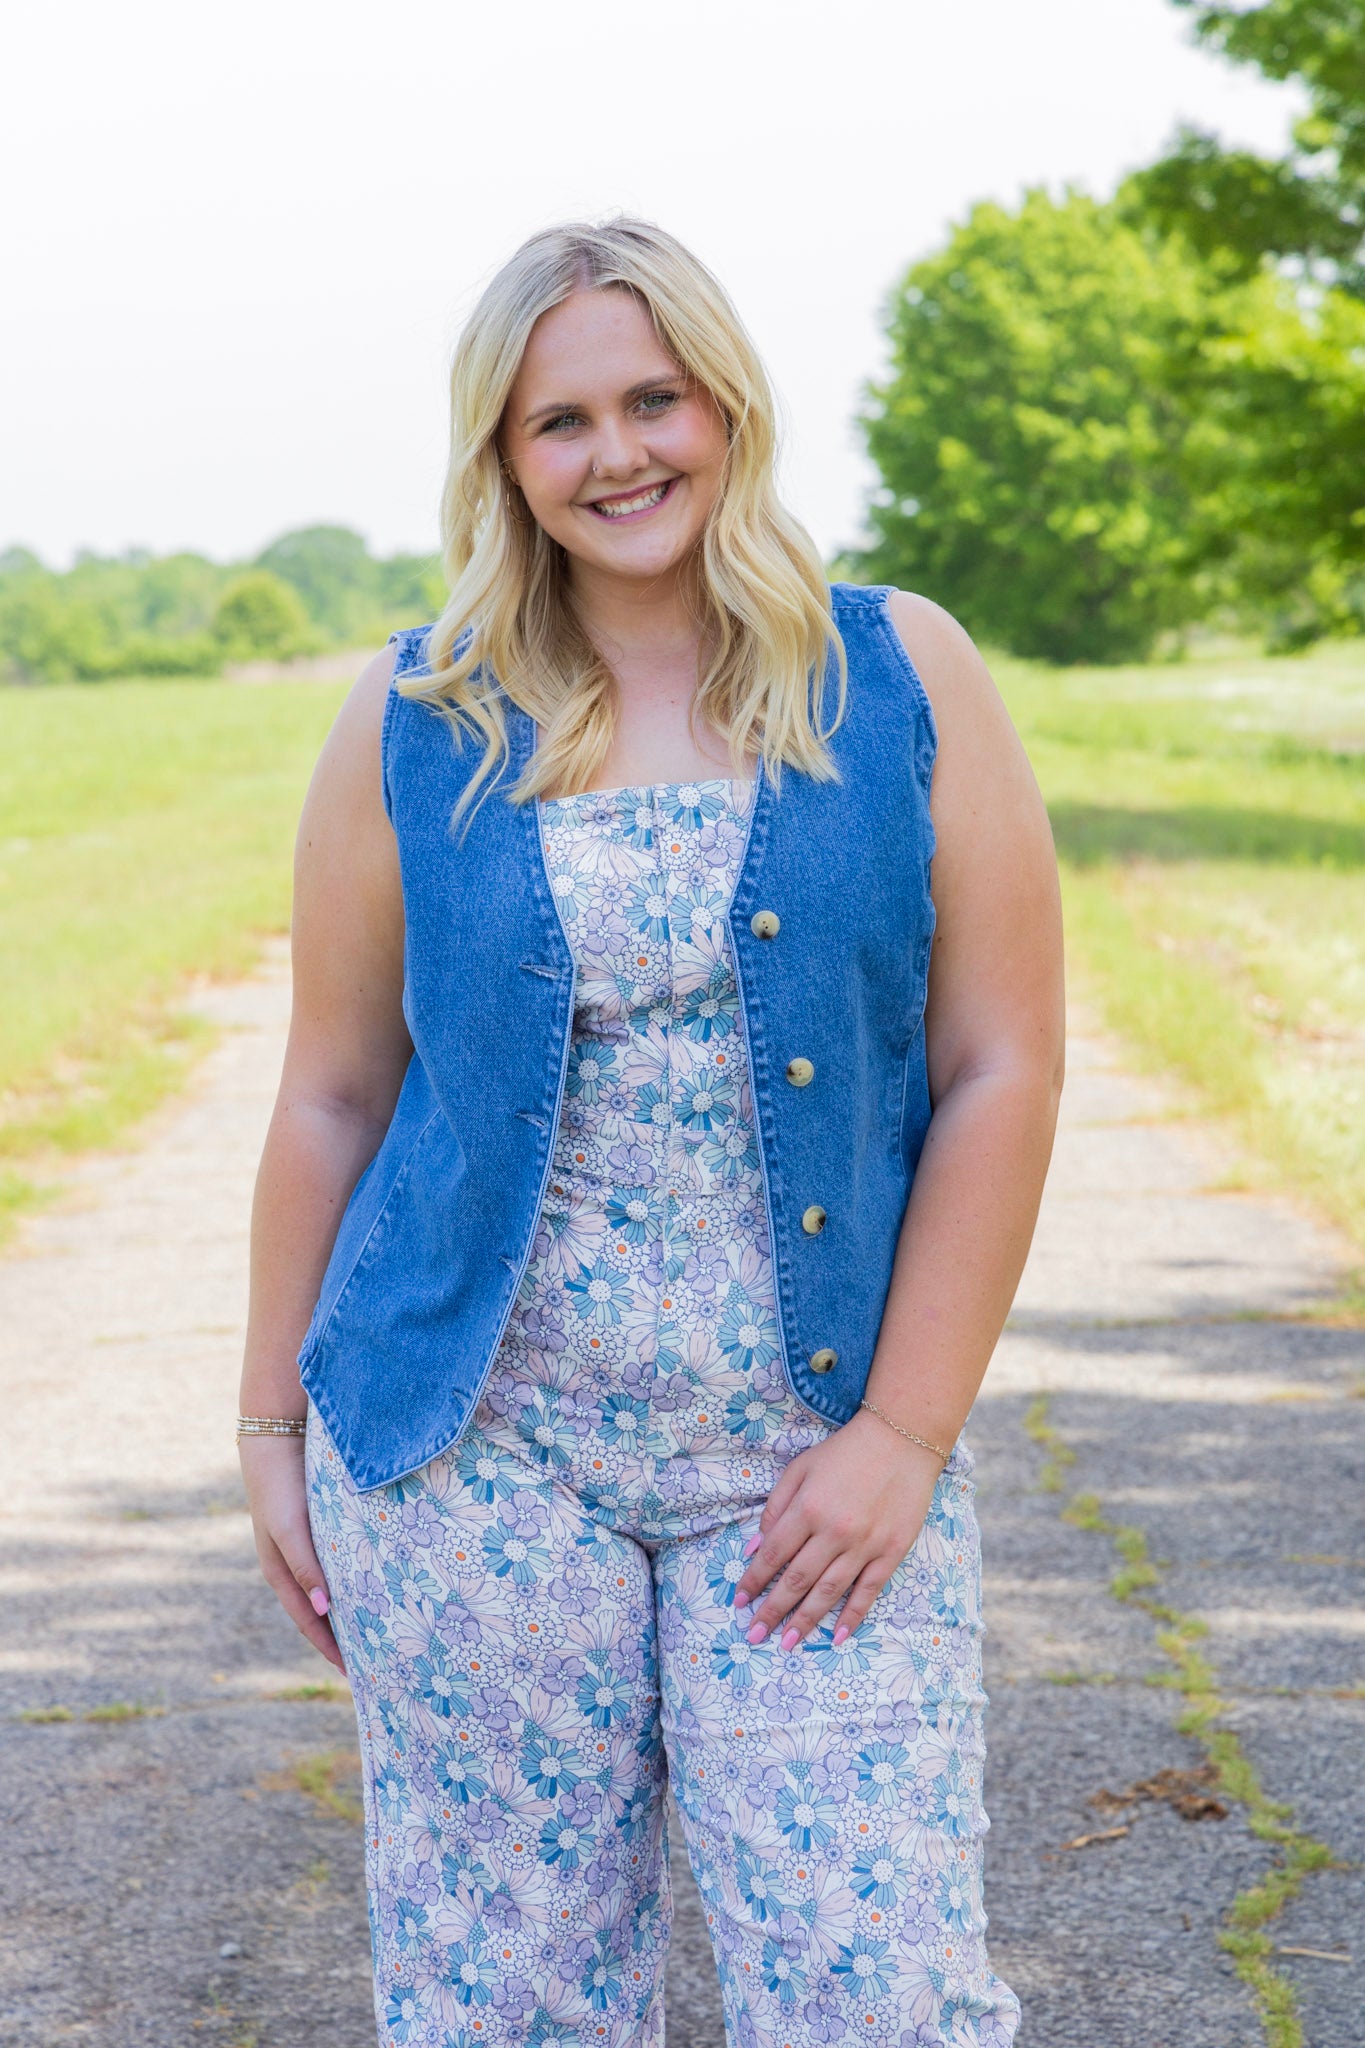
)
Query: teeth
[{"x": 624, "y": 505}]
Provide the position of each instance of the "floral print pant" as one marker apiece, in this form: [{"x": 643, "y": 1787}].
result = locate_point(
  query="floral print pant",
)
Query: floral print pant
[
  {"x": 540, "y": 1627},
  {"x": 524, "y": 1676}
]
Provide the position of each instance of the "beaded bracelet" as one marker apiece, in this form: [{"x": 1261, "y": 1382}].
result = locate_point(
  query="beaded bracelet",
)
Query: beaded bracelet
[
  {"x": 909, "y": 1434},
  {"x": 271, "y": 1425}
]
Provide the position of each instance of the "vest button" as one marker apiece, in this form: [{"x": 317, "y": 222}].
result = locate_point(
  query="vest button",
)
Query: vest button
[
  {"x": 813, "y": 1220},
  {"x": 765, "y": 924},
  {"x": 823, "y": 1361},
  {"x": 800, "y": 1073}
]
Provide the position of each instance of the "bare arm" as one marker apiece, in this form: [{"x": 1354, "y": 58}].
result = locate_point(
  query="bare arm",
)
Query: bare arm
[
  {"x": 844, "y": 1515},
  {"x": 344, "y": 1062}
]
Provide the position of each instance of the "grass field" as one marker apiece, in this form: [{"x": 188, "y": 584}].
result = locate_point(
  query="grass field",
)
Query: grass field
[
  {"x": 1210, "y": 820},
  {"x": 1209, "y": 816},
  {"x": 146, "y": 833}
]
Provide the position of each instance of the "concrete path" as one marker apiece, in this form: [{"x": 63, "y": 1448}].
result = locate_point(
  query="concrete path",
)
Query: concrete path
[{"x": 177, "y": 1780}]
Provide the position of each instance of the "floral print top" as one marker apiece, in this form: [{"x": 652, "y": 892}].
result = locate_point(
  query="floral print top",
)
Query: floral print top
[{"x": 642, "y": 1361}]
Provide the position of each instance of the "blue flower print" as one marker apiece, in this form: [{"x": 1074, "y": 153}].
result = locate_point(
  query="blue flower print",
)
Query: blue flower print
[
  {"x": 749, "y": 1417},
  {"x": 709, "y": 1013},
  {"x": 780, "y": 1971},
  {"x": 547, "y": 1764},
  {"x": 509, "y": 1548},
  {"x": 867, "y": 1965},
  {"x": 591, "y": 1069},
  {"x": 370, "y": 1630},
  {"x": 470, "y": 1971},
  {"x": 730, "y": 1160},
  {"x": 567, "y": 1838},
  {"x": 391, "y": 1790},
  {"x": 950, "y": 1596},
  {"x": 601, "y": 1979},
  {"x": 457, "y": 1776},
  {"x": 692, "y": 805},
  {"x": 625, "y": 1421},
  {"x": 438, "y": 1682},
  {"x": 856, "y": 1654},
  {"x": 707, "y": 1102},
  {"x": 487, "y": 1475},
  {"x": 955, "y": 1900},
  {"x": 879, "y": 1876},
  {"x": 952, "y": 1806},
  {"x": 805, "y": 1815},
  {"x": 409, "y": 1582},
  {"x": 604, "y": 1699},
  {"x": 633, "y": 821},
  {"x": 646, "y": 909},
  {"x": 756, "y": 1884},
  {"x": 727, "y": 1567},
  {"x": 883, "y": 1768},
  {"x": 403, "y": 2013},
  {"x": 747, "y": 1333},
  {"x": 546, "y": 1431},
  {"x": 732, "y": 1660},
  {"x": 632, "y": 1215},
  {"x": 412, "y": 1925},
  {"x": 600, "y": 1294}
]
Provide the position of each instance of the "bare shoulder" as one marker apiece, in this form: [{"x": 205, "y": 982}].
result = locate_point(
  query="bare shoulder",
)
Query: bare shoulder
[
  {"x": 981, "y": 769},
  {"x": 957, "y": 682},
  {"x": 348, "y": 778}
]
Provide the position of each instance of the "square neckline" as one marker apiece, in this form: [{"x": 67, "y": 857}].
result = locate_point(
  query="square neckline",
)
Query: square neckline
[{"x": 584, "y": 796}]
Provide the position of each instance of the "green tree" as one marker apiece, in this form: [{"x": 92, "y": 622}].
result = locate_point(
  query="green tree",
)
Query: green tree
[
  {"x": 259, "y": 616},
  {"x": 1044, "y": 459},
  {"x": 333, "y": 572},
  {"x": 1311, "y": 203}
]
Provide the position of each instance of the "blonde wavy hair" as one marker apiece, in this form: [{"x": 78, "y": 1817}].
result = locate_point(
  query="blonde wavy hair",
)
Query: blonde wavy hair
[{"x": 766, "y": 628}]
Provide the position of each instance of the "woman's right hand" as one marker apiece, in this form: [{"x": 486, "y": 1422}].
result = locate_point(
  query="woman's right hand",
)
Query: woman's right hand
[{"x": 277, "y": 1495}]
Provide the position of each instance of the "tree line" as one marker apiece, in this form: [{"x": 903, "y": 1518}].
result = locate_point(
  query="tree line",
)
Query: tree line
[
  {"x": 1104, "y": 422},
  {"x": 182, "y": 614}
]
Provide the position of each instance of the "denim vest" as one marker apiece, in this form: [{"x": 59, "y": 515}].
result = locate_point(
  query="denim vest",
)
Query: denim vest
[{"x": 830, "y": 925}]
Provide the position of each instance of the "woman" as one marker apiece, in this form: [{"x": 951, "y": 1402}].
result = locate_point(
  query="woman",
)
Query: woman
[{"x": 655, "y": 1160}]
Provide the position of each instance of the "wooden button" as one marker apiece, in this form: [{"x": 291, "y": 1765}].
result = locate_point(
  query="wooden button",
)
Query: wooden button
[
  {"x": 765, "y": 924},
  {"x": 813, "y": 1220},
  {"x": 800, "y": 1073},
  {"x": 824, "y": 1361}
]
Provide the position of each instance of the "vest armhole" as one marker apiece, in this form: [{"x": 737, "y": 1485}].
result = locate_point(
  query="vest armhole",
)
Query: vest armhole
[
  {"x": 411, "y": 645},
  {"x": 926, "y": 725}
]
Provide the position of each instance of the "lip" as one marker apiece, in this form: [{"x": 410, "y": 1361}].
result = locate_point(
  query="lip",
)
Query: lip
[{"x": 645, "y": 512}]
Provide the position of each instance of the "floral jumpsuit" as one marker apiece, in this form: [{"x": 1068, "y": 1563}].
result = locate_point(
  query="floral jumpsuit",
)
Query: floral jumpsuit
[{"x": 540, "y": 1626}]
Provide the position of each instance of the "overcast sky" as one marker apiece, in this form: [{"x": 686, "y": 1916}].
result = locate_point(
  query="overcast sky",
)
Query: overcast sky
[{"x": 240, "y": 240}]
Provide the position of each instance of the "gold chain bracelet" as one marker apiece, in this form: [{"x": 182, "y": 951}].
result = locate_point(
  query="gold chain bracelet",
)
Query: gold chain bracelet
[
  {"x": 271, "y": 1425},
  {"x": 908, "y": 1434}
]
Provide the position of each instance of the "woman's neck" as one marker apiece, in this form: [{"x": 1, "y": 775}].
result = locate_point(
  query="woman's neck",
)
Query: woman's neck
[{"x": 634, "y": 622}]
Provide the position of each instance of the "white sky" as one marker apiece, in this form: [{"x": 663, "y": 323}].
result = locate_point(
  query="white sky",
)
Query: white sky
[{"x": 239, "y": 240}]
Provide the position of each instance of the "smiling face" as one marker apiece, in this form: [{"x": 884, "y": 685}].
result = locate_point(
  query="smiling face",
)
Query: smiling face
[{"x": 618, "y": 452}]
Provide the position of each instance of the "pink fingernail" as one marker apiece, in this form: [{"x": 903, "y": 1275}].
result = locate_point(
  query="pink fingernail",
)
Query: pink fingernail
[
  {"x": 791, "y": 1639},
  {"x": 758, "y": 1631},
  {"x": 840, "y": 1635},
  {"x": 751, "y": 1546},
  {"x": 741, "y": 1599},
  {"x": 318, "y": 1596}
]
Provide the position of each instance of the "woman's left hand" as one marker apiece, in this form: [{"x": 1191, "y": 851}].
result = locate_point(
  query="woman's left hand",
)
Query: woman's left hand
[{"x": 840, "y": 1519}]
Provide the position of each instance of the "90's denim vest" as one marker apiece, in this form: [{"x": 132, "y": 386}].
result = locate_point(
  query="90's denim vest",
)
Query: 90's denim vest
[{"x": 830, "y": 925}]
